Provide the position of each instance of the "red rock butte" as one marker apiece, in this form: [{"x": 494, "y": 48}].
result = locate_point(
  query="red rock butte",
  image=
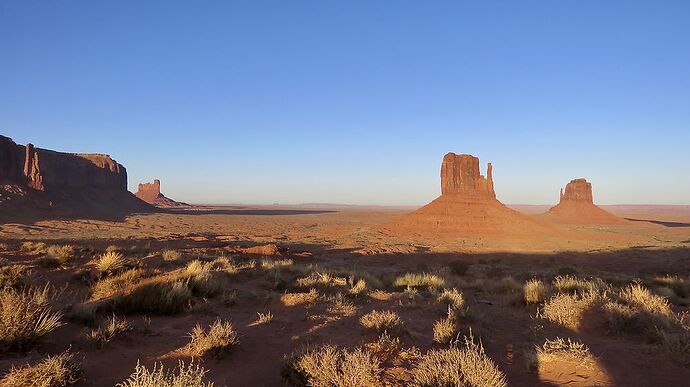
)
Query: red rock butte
[
  {"x": 467, "y": 205},
  {"x": 151, "y": 193},
  {"x": 576, "y": 206}
]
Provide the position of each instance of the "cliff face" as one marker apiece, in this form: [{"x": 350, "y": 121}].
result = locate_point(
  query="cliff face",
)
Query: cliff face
[
  {"x": 460, "y": 175},
  {"x": 151, "y": 193},
  {"x": 45, "y": 170},
  {"x": 38, "y": 183},
  {"x": 578, "y": 190},
  {"x": 576, "y": 206}
]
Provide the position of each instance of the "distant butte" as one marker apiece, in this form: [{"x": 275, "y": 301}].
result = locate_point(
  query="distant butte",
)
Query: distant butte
[
  {"x": 576, "y": 206},
  {"x": 151, "y": 193},
  {"x": 467, "y": 205}
]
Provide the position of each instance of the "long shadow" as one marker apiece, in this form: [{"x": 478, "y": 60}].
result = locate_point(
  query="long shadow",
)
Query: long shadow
[
  {"x": 256, "y": 212},
  {"x": 660, "y": 222}
]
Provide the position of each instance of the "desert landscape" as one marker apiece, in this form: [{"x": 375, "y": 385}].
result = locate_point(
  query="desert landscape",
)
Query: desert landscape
[{"x": 102, "y": 287}]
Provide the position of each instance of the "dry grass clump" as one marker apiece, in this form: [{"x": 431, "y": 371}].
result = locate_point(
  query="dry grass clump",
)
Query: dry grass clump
[
  {"x": 453, "y": 298},
  {"x": 572, "y": 284},
  {"x": 458, "y": 366},
  {"x": 535, "y": 291},
  {"x": 110, "y": 286},
  {"x": 417, "y": 280},
  {"x": 322, "y": 280},
  {"x": 385, "y": 347},
  {"x": 640, "y": 297},
  {"x": 445, "y": 330},
  {"x": 56, "y": 256},
  {"x": 217, "y": 341},
  {"x": 110, "y": 263},
  {"x": 276, "y": 264},
  {"x": 679, "y": 286},
  {"x": 155, "y": 296},
  {"x": 380, "y": 295},
  {"x": 568, "y": 309},
  {"x": 171, "y": 255},
  {"x": 561, "y": 351},
  {"x": 25, "y": 317},
  {"x": 53, "y": 371},
  {"x": 357, "y": 287},
  {"x": 381, "y": 321},
  {"x": 33, "y": 247},
  {"x": 182, "y": 376},
  {"x": 341, "y": 306},
  {"x": 329, "y": 366},
  {"x": 639, "y": 310},
  {"x": 294, "y": 299},
  {"x": 263, "y": 318},
  {"x": 200, "y": 279},
  {"x": 14, "y": 276},
  {"x": 105, "y": 333}
]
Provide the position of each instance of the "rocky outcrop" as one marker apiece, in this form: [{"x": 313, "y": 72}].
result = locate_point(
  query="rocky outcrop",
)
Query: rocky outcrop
[
  {"x": 467, "y": 206},
  {"x": 578, "y": 190},
  {"x": 151, "y": 193},
  {"x": 460, "y": 175},
  {"x": 62, "y": 184},
  {"x": 576, "y": 206}
]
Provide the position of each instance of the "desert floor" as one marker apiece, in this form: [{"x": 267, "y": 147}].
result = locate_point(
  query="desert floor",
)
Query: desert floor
[{"x": 356, "y": 266}]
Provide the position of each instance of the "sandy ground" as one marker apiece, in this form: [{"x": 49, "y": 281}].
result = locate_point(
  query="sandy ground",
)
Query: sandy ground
[{"x": 356, "y": 240}]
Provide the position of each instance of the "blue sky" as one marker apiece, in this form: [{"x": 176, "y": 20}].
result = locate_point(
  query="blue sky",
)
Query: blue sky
[{"x": 357, "y": 101}]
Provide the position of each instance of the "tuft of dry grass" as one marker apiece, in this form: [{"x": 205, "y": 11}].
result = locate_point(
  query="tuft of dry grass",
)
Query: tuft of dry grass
[
  {"x": 53, "y": 371},
  {"x": 535, "y": 291},
  {"x": 568, "y": 309},
  {"x": 341, "y": 306},
  {"x": 14, "y": 276},
  {"x": 357, "y": 287},
  {"x": 217, "y": 341},
  {"x": 559, "y": 350},
  {"x": 329, "y": 366},
  {"x": 679, "y": 286},
  {"x": 417, "y": 280},
  {"x": 294, "y": 299},
  {"x": 110, "y": 263},
  {"x": 381, "y": 321},
  {"x": 263, "y": 318},
  {"x": 453, "y": 298},
  {"x": 640, "y": 297},
  {"x": 385, "y": 347},
  {"x": 445, "y": 330},
  {"x": 458, "y": 366},
  {"x": 171, "y": 255},
  {"x": 105, "y": 333},
  {"x": 267, "y": 264},
  {"x": 572, "y": 284},
  {"x": 33, "y": 247},
  {"x": 321, "y": 280},
  {"x": 25, "y": 317},
  {"x": 380, "y": 295},
  {"x": 183, "y": 376},
  {"x": 56, "y": 256}
]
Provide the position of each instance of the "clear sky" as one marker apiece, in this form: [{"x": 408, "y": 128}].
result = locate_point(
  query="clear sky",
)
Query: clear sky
[{"x": 357, "y": 101}]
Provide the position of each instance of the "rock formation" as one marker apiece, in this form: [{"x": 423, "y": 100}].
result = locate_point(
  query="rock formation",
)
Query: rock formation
[
  {"x": 467, "y": 205},
  {"x": 151, "y": 193},
  {"x": 576, "y": 206},
  {"x": 66, "y": 183}
]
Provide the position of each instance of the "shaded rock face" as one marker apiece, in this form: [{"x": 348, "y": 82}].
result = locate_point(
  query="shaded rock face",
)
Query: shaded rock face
[
  {"x": 578, "y": 190},
  {"x": 149, "y": 192},
  {"x": 460, "y": 175},
  {"x": 45, "y": 170}
]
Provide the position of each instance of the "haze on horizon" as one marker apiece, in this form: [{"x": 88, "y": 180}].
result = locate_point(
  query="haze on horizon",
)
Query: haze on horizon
[{"x": 356, "y": 103}]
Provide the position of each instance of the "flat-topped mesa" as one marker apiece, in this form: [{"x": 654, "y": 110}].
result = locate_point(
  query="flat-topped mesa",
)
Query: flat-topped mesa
[
  {"x": 460, "y": 176},
  {"x": 149, "y": 192},
  {"x": 578, "y": 190}
]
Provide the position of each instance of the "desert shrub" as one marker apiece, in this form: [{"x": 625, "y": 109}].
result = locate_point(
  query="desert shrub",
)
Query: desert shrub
[
  {"x": 458, "y": 267},
  {"x": 25, "y": 317},
  {"x": 171, "y": 255},
  {"x": 509, "y": 285},
  {"x": 321, "y": 280},
  {"x": 357, "y": 287},
  {"x": 200, "y": 279},
  {"x": 53, "y": 371},
  {"x": 293, "y": 299},
  {"x": 224, "y": 264},
  {"x": 452, "y": 297},
  {"x": 275, "y": 264},
  {"x": 157, "y": 296},
  {"x": 381, "y": 321},
  {"x": 445, "y": 330},
  {"x": 638, "y": 310},
  {"x": 568, "y": 309},
  {"x": 559, "y": 350},
  {"x": 619, "y": 317},
  {"x": 33, "y": 247},
  {"x": 675, "y": 342},
  {"x": 263, "y": 318},
  {"x": 220, "y": 337},
  {"x": 13, "y": 276},
  {"x": 535, "y": 291},
  {"x": 385, "y": 347},
  {"x": 458, "y": 366},
  {"x": 571, "y": 284},
  {"x": 328, "y": 366},
  {"x": 106, "y": 332},
  {"x": 680, "y": 286},
  {"x": 380, "y": 295},
  {"x": 63, "y": 254},
  {"x": 110, "y": 286},
  {"x": 640, "y": 297},
  {"x": 110, "y": 262},
  {"x": 416, "y": 280},
  {"x": 182, "y": 376},
  {"x": 341, "y": 306}
]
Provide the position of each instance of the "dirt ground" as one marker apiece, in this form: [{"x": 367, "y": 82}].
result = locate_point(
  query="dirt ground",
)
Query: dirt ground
[{"x": 357, "y": 241}]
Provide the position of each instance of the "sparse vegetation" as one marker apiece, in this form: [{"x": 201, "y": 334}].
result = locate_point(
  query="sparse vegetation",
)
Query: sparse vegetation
[
  {"x": 217, "y": 341},
  {"x": 25, "y": 317},
  {"x": 110, "y": 262},
  {"x": 381, "y": 321},
  {"x": 105, "y": 333},
  {"x": 453, "y": 298},
  {"x": 458, "y": 366},
  {"x": 568, "y": 309},
  {"x": 275, "y": 264},
  {"x": 329, "y": 366},
  {"x": 171, "y": 255},
  {"x": 183, "y": 376},
  {"x": 294, "y": 299},
  {"x": 263, "y": 318},
  {"x": 321, "y": 280},
  {"x": 535, "y": 291},
  {"x": 53, "y": 371},
  {"x": 445, "y": 330},
  {"x": 416, "y": 280},
  {"x": 14, "y": 276},
  {"x": 33, "y": 247},
  {"x": 559, "y": 350}
]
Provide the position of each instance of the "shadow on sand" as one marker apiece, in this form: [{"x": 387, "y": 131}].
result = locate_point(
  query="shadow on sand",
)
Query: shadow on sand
[{"x": 660, "y": 222}]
